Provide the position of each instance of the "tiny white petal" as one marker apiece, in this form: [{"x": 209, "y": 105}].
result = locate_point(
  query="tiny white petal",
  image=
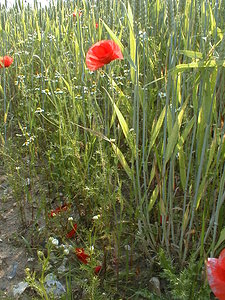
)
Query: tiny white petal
[
  {"x": 127, "y": 247},
  {"x": 55, "y": 242},
  {"x": 66, "y": 251}
]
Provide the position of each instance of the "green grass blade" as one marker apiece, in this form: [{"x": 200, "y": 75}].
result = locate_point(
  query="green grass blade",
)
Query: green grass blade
[
  {"x": 120, "y": 117},
  {"x": 122, "y": 160},
  {"x": 172, "y": 139},
  {"x": 156, "y": 130}
]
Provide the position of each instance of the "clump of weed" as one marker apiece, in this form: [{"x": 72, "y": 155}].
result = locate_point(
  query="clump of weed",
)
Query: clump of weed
[{"x": 184, "y": 284}]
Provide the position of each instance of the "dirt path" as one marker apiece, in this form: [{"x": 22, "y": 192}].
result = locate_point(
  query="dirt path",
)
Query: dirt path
[{"x": 13, "y": 254}]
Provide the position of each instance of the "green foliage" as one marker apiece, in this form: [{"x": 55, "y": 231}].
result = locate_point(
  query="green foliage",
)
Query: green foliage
[{"x": 185, "y": 284}]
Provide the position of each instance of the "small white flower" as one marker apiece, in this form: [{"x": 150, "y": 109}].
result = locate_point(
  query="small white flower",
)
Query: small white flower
[
  {"x": 92, "y": 248},
  {"x": 58, "y": 91},
  {"x": 96, "y": 217},
  {"x": 55, "y": 242},
  {"x": 66, "y": 251},
  {"x": 26, "y": 143},
  {"x": 30, "y": 259},
  {"x": 127, "y": 247},
  {"x": 40, "y": 254},
  {"x": 39, "y": 110},
  {"x": 70, "y": 219}
]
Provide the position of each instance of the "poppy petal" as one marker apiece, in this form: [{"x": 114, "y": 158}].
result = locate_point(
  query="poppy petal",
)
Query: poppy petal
[
  {"x": 222, "y": 259},
  {"x": 102, "y": 53},
  {"x": 97, "y": 269},
  {"x": 5, "y": 61},
  {"x": 216, "y": 276},
  {"x": 81, "y": 255},
  {"x": 59, "y": 209},
  {"x": 72, "y": 232}
]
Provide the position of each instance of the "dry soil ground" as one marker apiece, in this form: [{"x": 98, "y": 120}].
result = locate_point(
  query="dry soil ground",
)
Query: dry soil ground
[{"x": 14, "y": 257}]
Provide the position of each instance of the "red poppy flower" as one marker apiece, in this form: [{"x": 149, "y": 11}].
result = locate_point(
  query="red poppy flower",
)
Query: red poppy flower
[
  {"x": 5, "y": 61},
  {"x": 81, "y": 255},
  {"x": 97, "y": 269},
  {"x": 102, "y": 53},
  {"x": 72, "y": 232},
  {"x": 216, "y": 275},
  {"x": 96, "y": 25},
  {"x": 58, "y": 210}
]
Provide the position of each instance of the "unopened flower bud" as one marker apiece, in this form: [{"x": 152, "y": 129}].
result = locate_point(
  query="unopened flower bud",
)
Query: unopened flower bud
[
  {"x": 66, "y": 251},
  {"x": 55, "y": 242}
]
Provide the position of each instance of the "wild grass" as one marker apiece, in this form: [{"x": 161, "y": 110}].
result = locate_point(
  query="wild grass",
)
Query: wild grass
[{"x": 139, "y": 143}]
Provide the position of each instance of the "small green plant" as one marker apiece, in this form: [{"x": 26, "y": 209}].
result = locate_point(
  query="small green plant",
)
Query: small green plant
[
  {"x": 31, "y": 277},
  {"x": 185, "y": 284}
]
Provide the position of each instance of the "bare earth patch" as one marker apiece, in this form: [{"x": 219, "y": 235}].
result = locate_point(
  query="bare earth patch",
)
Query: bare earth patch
[{"x": 13, "y": 253}]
